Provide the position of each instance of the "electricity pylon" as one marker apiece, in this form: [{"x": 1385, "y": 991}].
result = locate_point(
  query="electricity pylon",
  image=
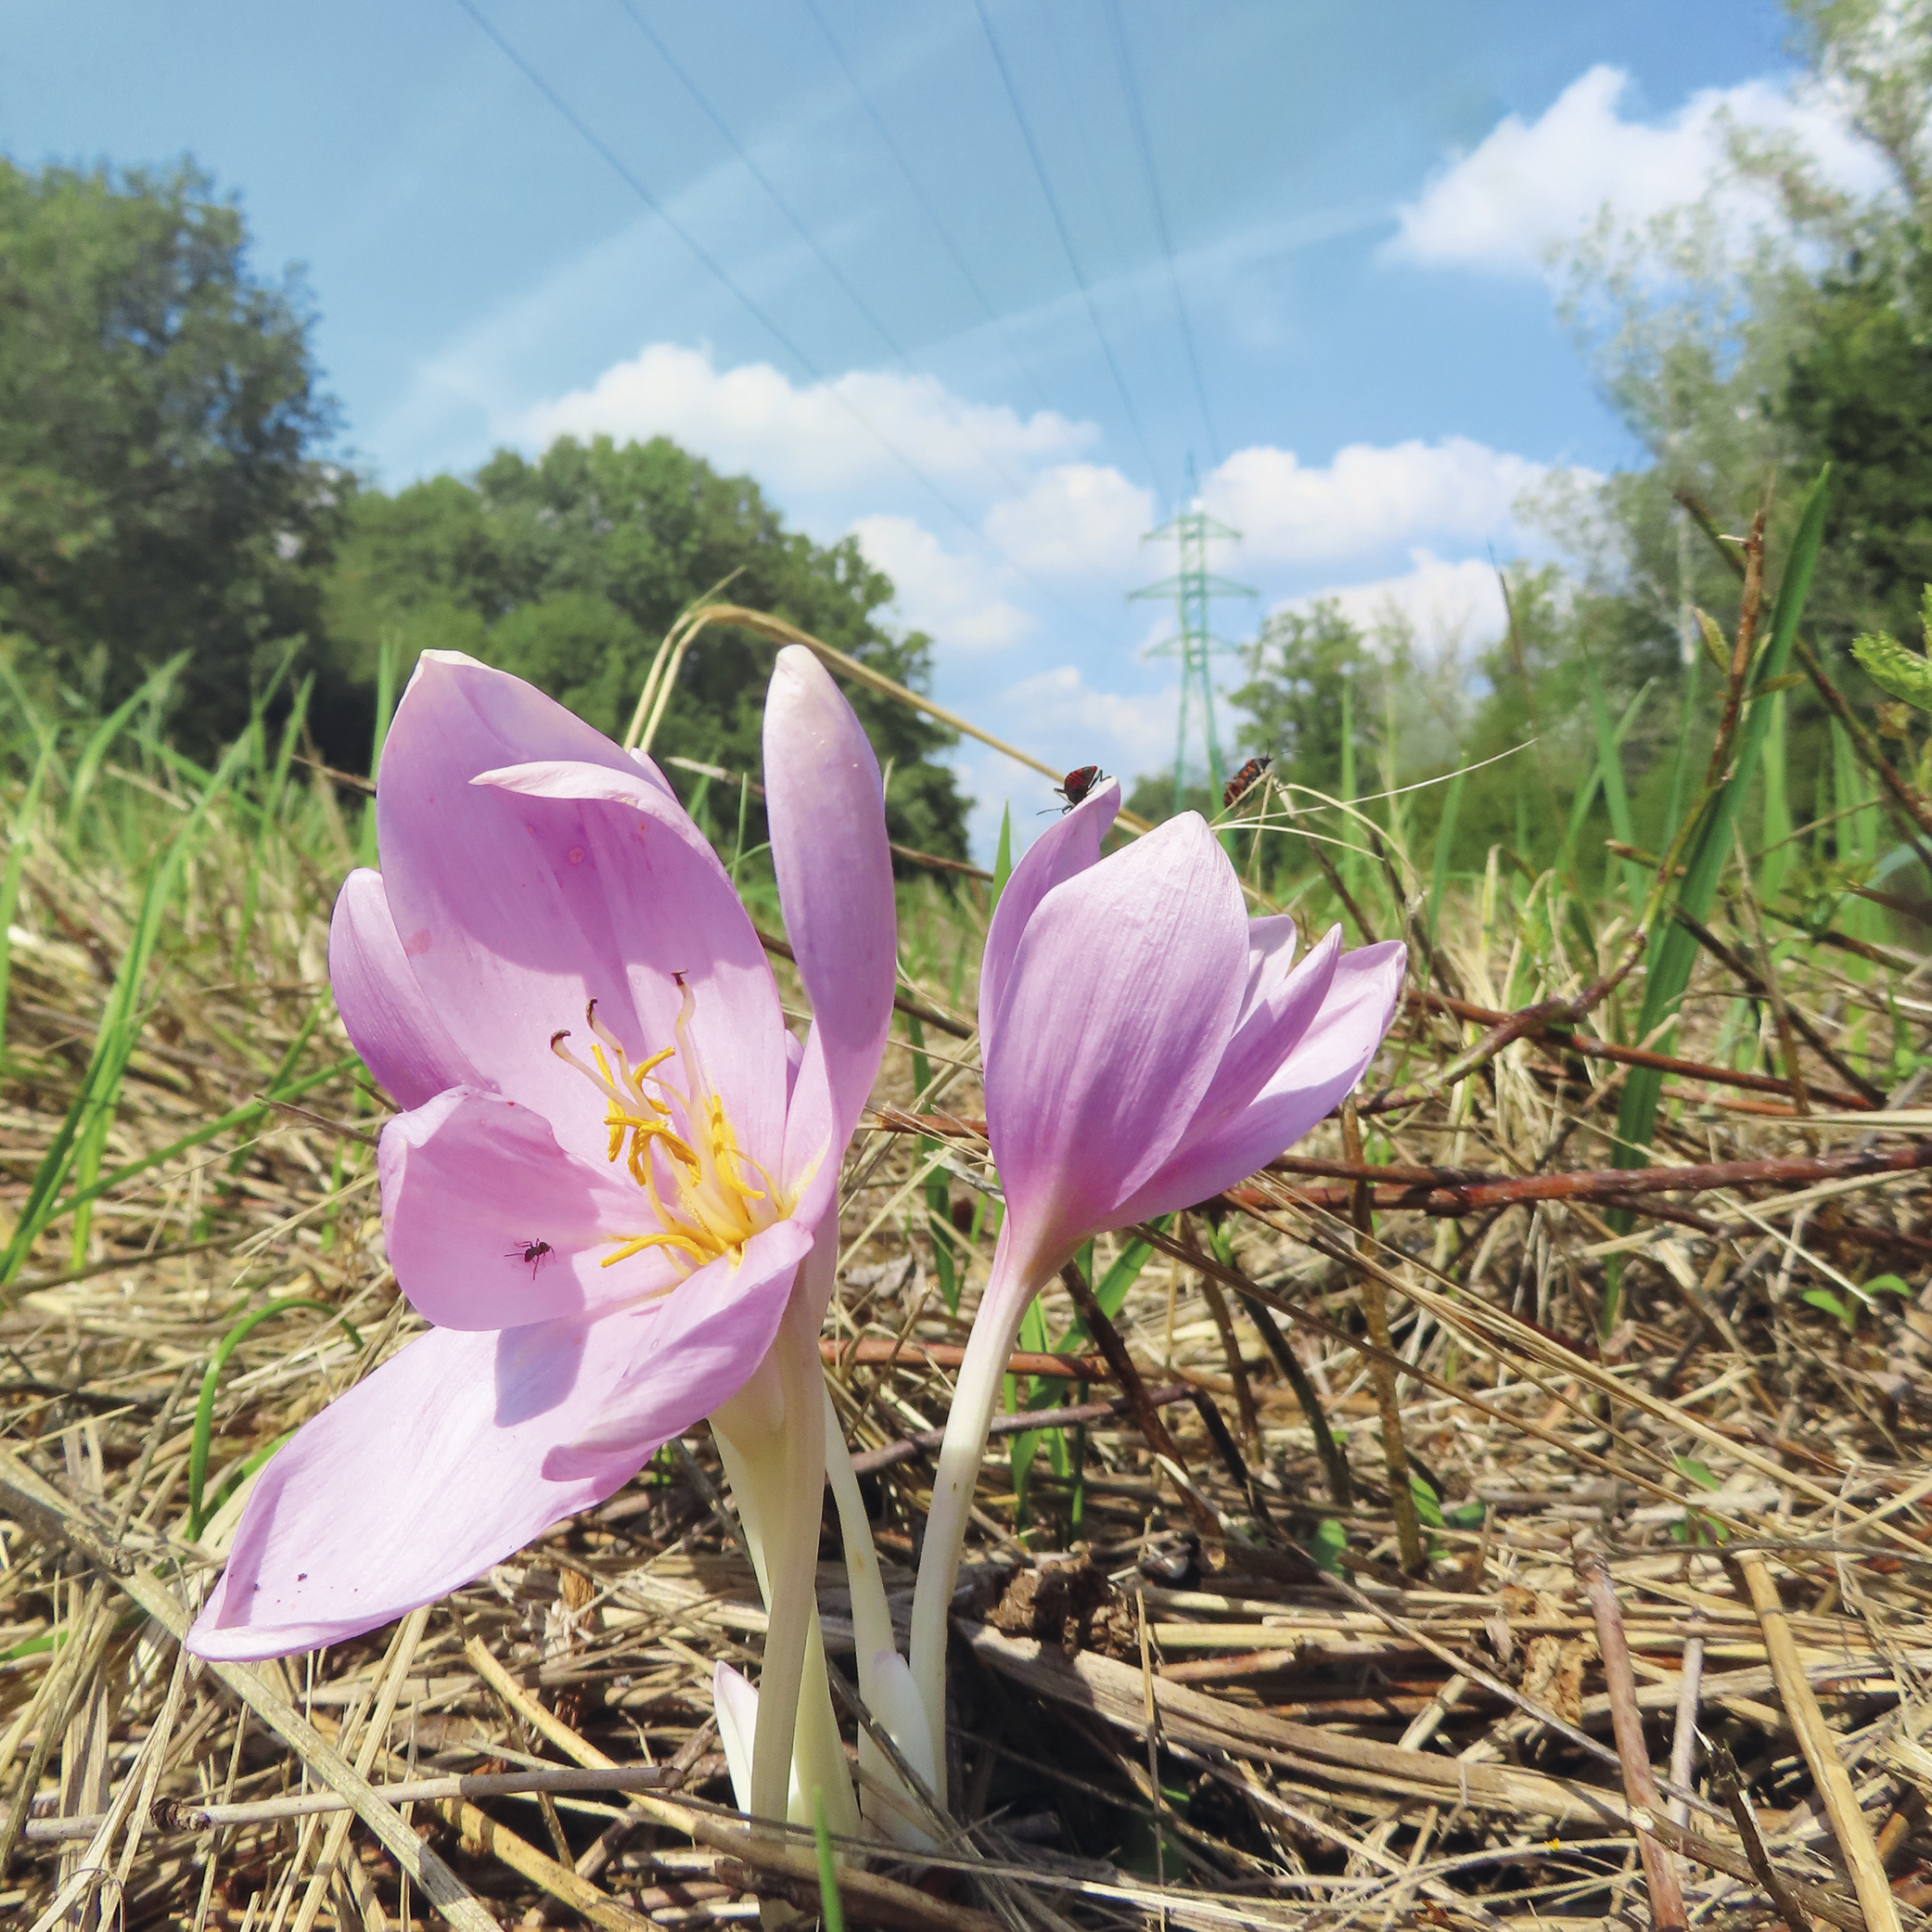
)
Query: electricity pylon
[{"x": 1192, "y": 587}]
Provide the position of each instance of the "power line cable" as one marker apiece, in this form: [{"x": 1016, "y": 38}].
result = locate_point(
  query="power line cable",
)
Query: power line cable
[
  {"x": 1077, "y": 115},
  {"x": 927, "y": 205},
  {"x": 756, "y": 309},
  {"x": 1052, "y": 204},
  {"x": 852, "y": 294},
  {"x": 1130, "y": 87}
]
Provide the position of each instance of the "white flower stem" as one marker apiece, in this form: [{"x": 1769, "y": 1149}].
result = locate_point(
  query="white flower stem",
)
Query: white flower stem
[
  {"x": 779, "y": 1478},
  {"x": 871, "y": 1616},
  {"x": 974, "y": 1396},
  {"x": 883, "y": 1795}
]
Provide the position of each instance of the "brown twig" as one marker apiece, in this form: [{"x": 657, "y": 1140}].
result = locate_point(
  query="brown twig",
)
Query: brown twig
[
  {"x": 882, "y": 1351},
  {"x": 1537, "y": 1032},
  {"x": 1374, "y": 1315},
  {"x": 1449, "y": 1193},
  {"x": 1022, "y": 1422},
  {"x": 1627, "y": 1725},
  {"x": 1146, "y": 1411},
  {"x": 1727, "y": 1783},
  {"x": 1760, "y": 987}
]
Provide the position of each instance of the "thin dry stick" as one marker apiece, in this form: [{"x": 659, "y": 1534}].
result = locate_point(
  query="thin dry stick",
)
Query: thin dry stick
[
  {"x": 1821, "y": 1747},
  {"x": 1147, "y": 1415},
  {"x": 1833, "y": 1907},
  {"x": 1627, "y": 1725},
  {"x": 170, "y": 1814},
  {"x": 1374, "y": 1311},
  {"x": 401, "y": 1654},
  {"x": 1726, "y": 1784},
  {"x": 1780, "y": 1008},
  {"x": 882, "y": 1901},
  {"x": 1683, "y": 1736},
  {"x": 1238, "y": 1370}
]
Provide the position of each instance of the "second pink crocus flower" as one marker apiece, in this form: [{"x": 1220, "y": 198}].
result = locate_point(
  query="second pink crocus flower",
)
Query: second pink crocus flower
[
  {"x": 1146, "y": 1044},
  {"x": 613, "y": 1157}
]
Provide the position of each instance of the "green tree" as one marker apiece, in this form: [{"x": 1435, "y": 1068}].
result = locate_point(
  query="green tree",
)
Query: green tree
[
  {"x": 159, "y": 418},
  {"x": 1306, "y": 668},
  {"x": 569, "y": 568}
]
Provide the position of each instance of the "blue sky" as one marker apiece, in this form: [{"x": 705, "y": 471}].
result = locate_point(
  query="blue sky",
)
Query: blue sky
[{"x": 904, "y": 325}]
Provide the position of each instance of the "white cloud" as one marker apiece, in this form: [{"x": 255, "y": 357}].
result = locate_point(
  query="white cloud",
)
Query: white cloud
[
  {"x": 953, "y": 598},
  {"x": 1075, "y": 519},
  {"x": 1368, "y": 498},
  {"x": 1444, "y": 604},
  {"x": 819, "y": 436},
  {"x": 1060, "y": 717},
  {"x": 1530, "y": 187}
]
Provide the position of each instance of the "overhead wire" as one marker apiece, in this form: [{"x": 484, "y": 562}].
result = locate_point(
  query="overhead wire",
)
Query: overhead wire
[
  {"x": 925, "y": 203},
  {"x": 1077, "y": 116},
  {"x": 873, "y": 319},
  {"x": 751, "y": 305},
  {"x": 1066, "y": 235},
  {"x": 1129, "y": 88}
]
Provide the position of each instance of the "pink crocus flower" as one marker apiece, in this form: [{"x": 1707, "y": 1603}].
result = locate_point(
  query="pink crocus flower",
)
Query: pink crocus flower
[
  {"x": 613, "y": 1155},
  {"x": 1146, "y": 1044}
]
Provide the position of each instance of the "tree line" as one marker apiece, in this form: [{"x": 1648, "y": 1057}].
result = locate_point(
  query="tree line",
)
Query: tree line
[{"x": 169, "y": 484}]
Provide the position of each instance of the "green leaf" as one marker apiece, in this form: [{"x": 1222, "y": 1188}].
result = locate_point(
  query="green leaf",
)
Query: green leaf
[
  {"x": 1905, "y": 673},
  {"x": 1698, "y": 1473},
  {"x": 1465, "y": 1516},
  {"x": 204, "y": 1407},
  {"x": 1426, "y": 1505},
  {"x": 1824, "y": 1298},
  {"x": 1326, "y": 1545},
  {"x": 1675, "y": 951},
  {"x": 1003, "y": 859},
  {"x": 828, "y": 1900},
  {"x": 1887, "y": 1284}
]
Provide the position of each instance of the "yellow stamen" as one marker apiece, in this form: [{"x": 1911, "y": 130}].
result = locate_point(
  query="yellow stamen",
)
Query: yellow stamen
[{"x": 716, "y": 1207}]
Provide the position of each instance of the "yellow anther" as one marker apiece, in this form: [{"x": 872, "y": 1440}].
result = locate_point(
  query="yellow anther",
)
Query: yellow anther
[{"x": 716, "y": 1209}]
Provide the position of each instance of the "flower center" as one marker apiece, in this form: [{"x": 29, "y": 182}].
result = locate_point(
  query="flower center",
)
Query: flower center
[{"x": 707, "y": 1197}]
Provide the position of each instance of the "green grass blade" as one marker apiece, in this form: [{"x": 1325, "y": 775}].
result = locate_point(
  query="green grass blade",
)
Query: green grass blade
[
  {"x": 385, "y": 710},
  {"x": 1778, "y": 824},
  {"x": 110, "y": 727},
  {"x": 211, "y": 1386},
  {"x": 829, "y": 1905},
  {"x": 17, "y": 844},
  {"x": 1445, "y": 847},
  {"x": 271, "y": 796},
  {"x": 1003, "y": 859},
  {"x": 241, "y": 1116},
  {"x": 1609, "y": 763},
  {"x": 1674, "y": 951}
]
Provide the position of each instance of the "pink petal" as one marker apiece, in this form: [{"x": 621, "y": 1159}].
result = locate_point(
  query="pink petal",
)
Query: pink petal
[
  {"x": 654, "y": 895},
  {"x": 826, "y": 809},
  {"x": 1281, "y": 1007},
  {"x": 696, "y": 1347},
  {"x": 1067, "y": 846},
  {"x": 414, "y": 1482},
  {"x": 1119, "y": 1006},
  {"x": 1323, "y": 1067},
  {"x": 471, "y": 1183},
  {"x": 389, "y": 1022},
  {"x": 515, "y": 910}
]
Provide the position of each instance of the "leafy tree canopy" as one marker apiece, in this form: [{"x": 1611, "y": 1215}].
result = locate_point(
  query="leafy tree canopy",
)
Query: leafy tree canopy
[
  {"x": 165, "y": 486},
  {"x": 570, "y": 569},
  {"x": 159, "y": 417}
]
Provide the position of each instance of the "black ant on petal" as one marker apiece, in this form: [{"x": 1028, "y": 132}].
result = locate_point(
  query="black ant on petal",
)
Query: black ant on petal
[{"x": 532, "y": 1252}]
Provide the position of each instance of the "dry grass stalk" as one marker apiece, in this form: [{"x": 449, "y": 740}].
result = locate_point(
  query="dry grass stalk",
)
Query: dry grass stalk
[{"x": 1311, "y": 1764}]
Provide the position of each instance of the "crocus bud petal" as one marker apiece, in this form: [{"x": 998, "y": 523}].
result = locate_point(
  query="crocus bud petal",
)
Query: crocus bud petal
[{"x": 734, "y": 1704}]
